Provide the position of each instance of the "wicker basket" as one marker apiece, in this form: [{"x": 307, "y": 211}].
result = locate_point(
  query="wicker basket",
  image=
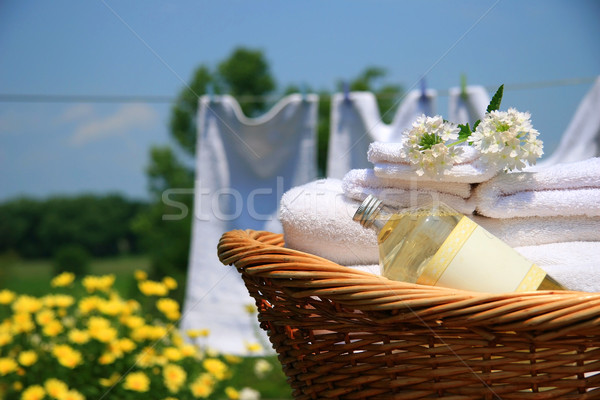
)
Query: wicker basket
[{"x": 345, "y": 334}]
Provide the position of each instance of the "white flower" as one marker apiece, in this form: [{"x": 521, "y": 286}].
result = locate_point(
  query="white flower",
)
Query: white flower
[
  {"x": 249, "y": 394},
  {"x": 425, "y": 146},
  {"x": 262, "y": 367},
  {"x": 506, "y": 139}
]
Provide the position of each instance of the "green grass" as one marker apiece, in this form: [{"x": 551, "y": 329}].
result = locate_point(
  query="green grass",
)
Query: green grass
[{"x": 33, "y": 277}]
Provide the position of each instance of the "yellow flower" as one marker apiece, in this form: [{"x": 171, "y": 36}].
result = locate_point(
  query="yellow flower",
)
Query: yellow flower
[
  {"x": 153, "y": 288},
  {"x": 53, "y": 328},
  {"x": 18, "y": 386},
  {"x": 174, "y": 377},
  {"x": 170, "y": 283},
  {"x": 216, "y": 368},
  {"x": 253, "y": 347},
  {"x": 188, "y": 350},
  {"x": 72, "y": 395},
  {"x": 172, "y": 354},
  {"x": 7, "y": 365},
  {"x": 5, "y": 338},
  {"x": 145, "y": 358},
  {"x": 133, "y": 321},
  {"x": 231, "y": 359},
  {"x": 106, "y": 358},
  {"x": 26, "y": 304},
  {"x": 98, "y": 283},
  {"x": 194, "y": 333},
  {"x": 34, "y": 392},
  {"x": 203, "y": 386},
  {"x": 140, "y": 275},
  {"x": 6, "y": 296},
  {"x": 27, "y": 358},
  {"x": 23, "y": 322},
  {"x": 104, "y": 335},
  {"x": 111, "y": 307},
  {"x": 232, "y": 393},
  {"x": 62, "y": 280},
  {"x": 137, "y": 381},
  {"x": 250, "y": 308},
  {"x": 44, "y": 316},
  {"x": 78, "y": 336},
  {"x": 63, "y": 300},
  {"x": 126, "y": 345},
  {"x": 111, "y": 381},
  {"x": 55, "y": 388},
  {"x": 169, "y": 307},
  {"x": 66, "y": 355}
]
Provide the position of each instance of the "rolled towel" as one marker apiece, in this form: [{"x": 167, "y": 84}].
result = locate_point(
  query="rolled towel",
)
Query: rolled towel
[
  {"x": 560, "y": 190},
  {"x": 317, "y": 219},
  {"x": 367, "y": 178},
  {"x": 573, "y": 264},
  {"x": 388, "y": 163},
  {"x": 358, "y": 184},
  {"x": 531, "y": 231}
]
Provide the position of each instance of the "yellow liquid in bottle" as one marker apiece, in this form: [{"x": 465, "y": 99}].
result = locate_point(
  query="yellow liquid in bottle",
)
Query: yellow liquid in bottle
[{"x": 408, "y": 241}]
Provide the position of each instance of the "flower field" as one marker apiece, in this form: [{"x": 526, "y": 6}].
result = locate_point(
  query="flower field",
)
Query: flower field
[{"x": 84, "y": 340}]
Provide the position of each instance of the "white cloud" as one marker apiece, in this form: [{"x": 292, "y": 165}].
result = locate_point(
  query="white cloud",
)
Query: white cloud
[
  {"x": 76, "y": 112},
  {"x": 126, "y": 118}
]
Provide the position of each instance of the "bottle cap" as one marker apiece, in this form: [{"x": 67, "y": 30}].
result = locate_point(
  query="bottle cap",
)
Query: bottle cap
[{"x": 367, "y": 211}]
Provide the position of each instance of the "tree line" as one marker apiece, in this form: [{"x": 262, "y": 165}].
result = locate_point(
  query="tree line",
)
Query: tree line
[{"x": 102, "y": 225}]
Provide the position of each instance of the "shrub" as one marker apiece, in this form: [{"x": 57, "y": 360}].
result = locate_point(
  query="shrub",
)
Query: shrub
[{"x": 71, "y": 258}]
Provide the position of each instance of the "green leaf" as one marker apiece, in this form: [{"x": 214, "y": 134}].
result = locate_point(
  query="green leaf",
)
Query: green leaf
[
  {"x": 465, "y": 131},
  {"x": 476, "y": 124},
  {"x": 496, "y": 100}
]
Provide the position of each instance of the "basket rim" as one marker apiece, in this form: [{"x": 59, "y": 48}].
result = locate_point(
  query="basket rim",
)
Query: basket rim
[{"x": 543, "y": 314}]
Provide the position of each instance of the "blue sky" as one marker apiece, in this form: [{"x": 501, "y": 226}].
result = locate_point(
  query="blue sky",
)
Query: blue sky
[{"x": 151, "y": 48}]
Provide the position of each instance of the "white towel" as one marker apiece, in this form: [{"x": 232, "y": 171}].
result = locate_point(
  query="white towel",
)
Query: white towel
[
  {"x": 581, "y": 139},
  {"x": 356, "y": 122},
  {"x": 365, "y": 178},
  {"x": 358, "y": 184},
  {"x": 559, "y": 190},
  {"x": 389, "y": 164},
  {"x": 470, "y": 108},
  {"x": 317, "y": 219},
  {"x": 243, "y": 167},
  {"x": 575, "y": 265},
  {"x": 531, "y": 231}
]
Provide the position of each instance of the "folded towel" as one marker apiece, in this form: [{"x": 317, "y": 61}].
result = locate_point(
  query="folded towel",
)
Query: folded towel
[
  {"x": 367, "y": 178},
  {"x": 389, "y": 164},
  {"x": 317, "y": 219},
  {"x": 531, "y": 231},
  {"x": 361, "y": 183},
  {"x": 560, "y": 190},
  {"x": 574, "y": 264}
]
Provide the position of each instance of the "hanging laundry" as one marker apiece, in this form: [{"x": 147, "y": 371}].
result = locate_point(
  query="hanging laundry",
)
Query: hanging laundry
[
  {"x": 243, "y": 167},
  {"x": 356, "y": 122},
  {"x": 468, "y": 105},
  {"x": 581, "y": 140}
]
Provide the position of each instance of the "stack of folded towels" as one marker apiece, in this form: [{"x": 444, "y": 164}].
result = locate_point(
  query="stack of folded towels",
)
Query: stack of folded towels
[{"x": 550, "y": 215}]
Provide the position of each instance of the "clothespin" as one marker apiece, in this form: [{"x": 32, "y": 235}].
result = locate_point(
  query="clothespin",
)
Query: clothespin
[
  {"x": 303, "y": 91},
  {"x": 210, "y": 91},
  {"x": 463, "y": 86},
  {"x": 346, "y": 88},
  {"x": 423, "y": 88}
]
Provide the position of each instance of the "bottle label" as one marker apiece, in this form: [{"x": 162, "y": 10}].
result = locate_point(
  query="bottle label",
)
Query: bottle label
[{"x": 471, "y": 258}]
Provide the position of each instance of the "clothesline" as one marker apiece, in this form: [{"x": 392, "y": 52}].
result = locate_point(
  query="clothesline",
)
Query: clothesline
[{"x": 79, "y": 98}]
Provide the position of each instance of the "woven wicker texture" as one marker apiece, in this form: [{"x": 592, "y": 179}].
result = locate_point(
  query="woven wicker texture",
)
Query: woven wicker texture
[{"x": 345, "y": 334}]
